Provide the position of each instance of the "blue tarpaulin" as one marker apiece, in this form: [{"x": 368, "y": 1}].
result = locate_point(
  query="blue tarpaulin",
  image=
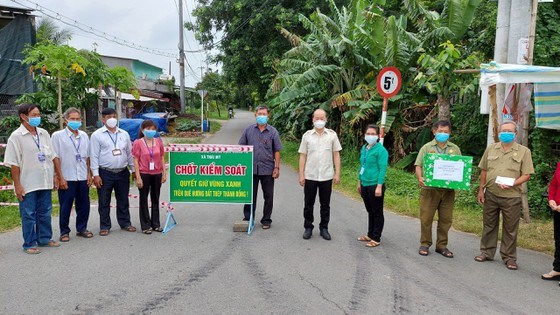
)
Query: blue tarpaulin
[
  {"x": 132, "y": 126},
  {"x": 158, "y": 118}
]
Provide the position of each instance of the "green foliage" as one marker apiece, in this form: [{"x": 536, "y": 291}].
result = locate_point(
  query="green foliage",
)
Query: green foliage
[
  {"x": 48, "y": 32},
  {"x": 189, "y": 125},
  {"x": 251, "y": 41},
  {"x": 74, "y": 84}
]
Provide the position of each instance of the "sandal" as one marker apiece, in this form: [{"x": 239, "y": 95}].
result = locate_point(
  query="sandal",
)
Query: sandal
[
  {"x": 445, "y": 252},
  {"x": 104, "y": 232},
  {"x": 32, "y": 251},
  {"x": 158, "y": 229},
  {"x": 65, "y": 238},
  {"x": 553, "y": 275},
  {"x": 364, "y": 238},
  {"x": 266, "y": 226},
  {"x": 148, "y": 231},
  {"x": 373, "y": 243},
  {"x": 511, "y": 264},
  {"x": 129, "y": 228},
  {"x": 50, "y": 244},
  {"x": 423, "y": 251},
  {"x": 481, "y": 258},
  {"x": 86, "y": 234}
]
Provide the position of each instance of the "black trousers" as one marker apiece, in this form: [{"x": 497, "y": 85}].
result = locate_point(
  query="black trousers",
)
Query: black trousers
[
  {"x": 309, "y": 194},
  {"x": 374, "y": 207},
  {"x": 267, "y": 185},
  {"x": 120, "y": 182},
  {"x": 556, "y": 263},
  {"x": 152, "y": 186}
]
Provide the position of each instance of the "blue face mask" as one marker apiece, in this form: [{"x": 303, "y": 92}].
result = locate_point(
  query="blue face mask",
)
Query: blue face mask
[
  {"x": 149, "y": 133},
  {"x": 74, "y": 125},
  {"x": 442, "y": 137},
  {"x": 34, "y": 121},
  {"x": 507, "y": 137},
  {"x": 261, "y": 120}
]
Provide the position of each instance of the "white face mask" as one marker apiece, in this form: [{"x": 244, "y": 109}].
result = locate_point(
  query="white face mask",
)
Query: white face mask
[
  {"x": 111, "y": 122},
  {"x": 319, "y": 124},
  {"x": 371, "y": 139}
]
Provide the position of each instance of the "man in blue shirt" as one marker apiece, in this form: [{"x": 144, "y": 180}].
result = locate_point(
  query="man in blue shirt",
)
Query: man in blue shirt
[{"x": 266, "y": 162}]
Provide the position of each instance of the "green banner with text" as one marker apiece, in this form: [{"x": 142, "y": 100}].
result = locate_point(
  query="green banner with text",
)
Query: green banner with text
[{"x": 211, "y": 174}]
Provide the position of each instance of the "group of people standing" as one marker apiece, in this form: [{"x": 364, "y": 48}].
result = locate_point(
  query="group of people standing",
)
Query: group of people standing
[
  {"x": 319, "y": 169},
  {"x": 71, "y": 163}
]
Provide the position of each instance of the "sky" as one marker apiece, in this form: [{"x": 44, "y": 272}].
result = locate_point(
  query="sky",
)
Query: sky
[{"x": 149, "y": 23}]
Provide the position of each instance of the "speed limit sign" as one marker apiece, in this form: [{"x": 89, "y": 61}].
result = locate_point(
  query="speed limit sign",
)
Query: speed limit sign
[{"x": 389, "y": 82}]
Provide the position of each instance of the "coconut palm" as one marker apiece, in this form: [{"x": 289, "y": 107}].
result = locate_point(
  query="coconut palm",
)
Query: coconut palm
[{"x": 48, "y": 32}]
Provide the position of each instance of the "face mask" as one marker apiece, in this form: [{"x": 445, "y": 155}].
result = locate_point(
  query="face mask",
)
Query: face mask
[
  {"x": 442, "y": 137},
  {"x": 149, "y": 133},
  {"x": 74, "y": 125},
  {"x": 319, "y": 124},
  {"x": 371, "y": 139},
  {"x": 111, "y": 122},
  {"x": 261, "y": 120},
  {"x": 507, "y": 137},
  {"x": 34, "y": 121}
]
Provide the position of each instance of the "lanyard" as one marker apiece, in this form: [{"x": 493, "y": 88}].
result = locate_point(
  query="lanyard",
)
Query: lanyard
[
  {"x": 440, "y": 151},
  {"x": 152, "y": 150},
  {"x": 113, "y": 140},
  {"x": 37, "y": 142},
  {"x": 366, "y": 153},
  {"x": 74, "y": 143}
]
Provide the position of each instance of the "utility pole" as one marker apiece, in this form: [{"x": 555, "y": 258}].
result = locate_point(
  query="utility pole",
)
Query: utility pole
[
  {"x": 500, "y": 56},
  {"x": 181, "y": 59}
]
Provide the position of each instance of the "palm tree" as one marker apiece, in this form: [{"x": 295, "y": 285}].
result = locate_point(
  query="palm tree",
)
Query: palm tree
[{"x": 48, "y": 32}]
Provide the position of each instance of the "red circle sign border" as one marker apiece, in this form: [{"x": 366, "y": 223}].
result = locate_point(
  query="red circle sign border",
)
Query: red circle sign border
[{"x": 399, "y": 84}]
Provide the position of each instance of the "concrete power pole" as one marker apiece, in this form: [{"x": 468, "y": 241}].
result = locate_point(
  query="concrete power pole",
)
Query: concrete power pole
[
  {"x": 500, "y": 56},
  {"x": 181, "y": 59}
]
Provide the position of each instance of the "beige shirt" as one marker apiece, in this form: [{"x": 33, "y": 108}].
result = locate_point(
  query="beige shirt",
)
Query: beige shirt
[
  {"x": 319, "y": 149},
  {"x": 22, "y": 151},
  {"x": 515, "y": 162}
]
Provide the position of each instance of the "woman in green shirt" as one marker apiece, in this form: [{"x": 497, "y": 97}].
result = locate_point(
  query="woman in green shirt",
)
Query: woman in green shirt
[{"x": 371, "y": 184}]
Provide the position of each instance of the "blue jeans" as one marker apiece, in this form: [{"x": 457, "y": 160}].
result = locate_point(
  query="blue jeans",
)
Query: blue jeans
[
  {"x": 35, "y": 210},
  {"x": 79, "y": 191}
]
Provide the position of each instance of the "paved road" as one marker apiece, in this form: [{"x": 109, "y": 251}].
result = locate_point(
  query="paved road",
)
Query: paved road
[{"x": 202, "y": 267}]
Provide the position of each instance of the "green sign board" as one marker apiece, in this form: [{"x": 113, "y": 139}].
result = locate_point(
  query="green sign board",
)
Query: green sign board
[
  {"x": 211, "y": 173},
  {"x": 447, "y": 171}
]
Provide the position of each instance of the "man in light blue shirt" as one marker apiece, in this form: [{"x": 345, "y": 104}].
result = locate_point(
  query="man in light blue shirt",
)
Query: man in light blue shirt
[
  {"x": 110, "y": 154},
  {"x": 72, "y": 147}
]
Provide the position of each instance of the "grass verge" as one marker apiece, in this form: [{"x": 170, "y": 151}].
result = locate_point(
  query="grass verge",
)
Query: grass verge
[{"x": 402, "y": 197}]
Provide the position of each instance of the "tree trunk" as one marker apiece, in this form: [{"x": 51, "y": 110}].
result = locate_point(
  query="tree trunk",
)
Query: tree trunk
[
  {"x": 444, "y": 106},
  {"x": 60, "y": 121}
]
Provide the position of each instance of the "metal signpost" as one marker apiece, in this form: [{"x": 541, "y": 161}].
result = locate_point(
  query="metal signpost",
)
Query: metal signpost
[{"x": 388, "y": 85}]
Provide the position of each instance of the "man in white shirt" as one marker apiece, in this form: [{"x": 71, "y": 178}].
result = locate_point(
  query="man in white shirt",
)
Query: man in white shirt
[
  {"x": 319, "y": 151},
  {"x": 110, "y": 154},
  {"x": 72, "y": 147},
  {"x": 33, "y": 163}
]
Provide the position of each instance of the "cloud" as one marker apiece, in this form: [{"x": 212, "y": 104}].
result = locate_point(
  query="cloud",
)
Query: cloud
[{"x": 152, "y": 24}]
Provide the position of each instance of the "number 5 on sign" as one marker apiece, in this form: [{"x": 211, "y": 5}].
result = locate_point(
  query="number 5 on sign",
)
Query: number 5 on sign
[{"x": 388, "y": 85}]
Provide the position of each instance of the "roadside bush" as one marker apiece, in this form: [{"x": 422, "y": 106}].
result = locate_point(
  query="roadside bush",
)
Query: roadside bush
[{"x": 189, "y": 125}]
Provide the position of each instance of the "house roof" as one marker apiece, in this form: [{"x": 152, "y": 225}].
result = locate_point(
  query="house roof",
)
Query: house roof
[{"x": 10, "y": 11}]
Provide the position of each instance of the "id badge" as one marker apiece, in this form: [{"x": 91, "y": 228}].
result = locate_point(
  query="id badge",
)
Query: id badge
[
  {"x": 41, "y": 157},
  {"x": 362, "y": 171},
  {"x": 117, "y": 152},
  {"x": 78, "y": 157},
  {"x": 152, "y": 166}
]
